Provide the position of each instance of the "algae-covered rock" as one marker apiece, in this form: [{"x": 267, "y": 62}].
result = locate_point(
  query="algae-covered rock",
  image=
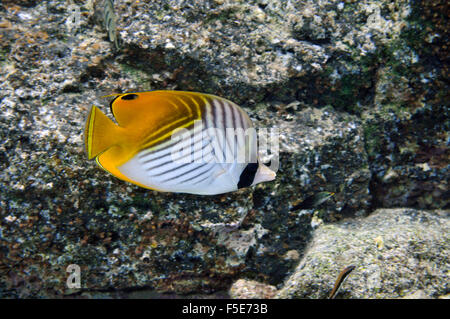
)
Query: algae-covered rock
[{"x": 396, "y": 253}]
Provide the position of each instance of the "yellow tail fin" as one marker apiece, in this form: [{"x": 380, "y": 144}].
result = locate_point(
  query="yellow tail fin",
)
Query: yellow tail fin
[{"x": 100, "y": 133}]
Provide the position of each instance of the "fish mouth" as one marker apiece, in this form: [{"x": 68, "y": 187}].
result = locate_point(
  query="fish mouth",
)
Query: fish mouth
[{"x": 268, "y": 172}]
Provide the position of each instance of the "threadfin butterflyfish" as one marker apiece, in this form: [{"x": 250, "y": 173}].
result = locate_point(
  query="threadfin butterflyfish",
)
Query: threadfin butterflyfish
[{"x": 176, "y": 141}]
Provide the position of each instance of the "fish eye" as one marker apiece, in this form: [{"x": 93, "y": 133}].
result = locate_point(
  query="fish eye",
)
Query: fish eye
[{"x": 130, "y": 96}]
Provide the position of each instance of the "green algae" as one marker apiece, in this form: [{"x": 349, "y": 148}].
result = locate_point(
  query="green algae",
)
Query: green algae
[{"x": 138, "y": 75}]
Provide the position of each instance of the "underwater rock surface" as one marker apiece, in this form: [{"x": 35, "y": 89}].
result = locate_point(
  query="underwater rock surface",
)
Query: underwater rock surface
[
  {"x": 357, "y": 91},
  {"x": 396, "y": 253},
  {"x": 250, "y": 289}
]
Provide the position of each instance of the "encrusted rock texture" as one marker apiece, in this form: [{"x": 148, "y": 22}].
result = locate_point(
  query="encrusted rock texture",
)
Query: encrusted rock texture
[
  {"x": 358, "y": 91},
  {"x": 396, "y": 253}
]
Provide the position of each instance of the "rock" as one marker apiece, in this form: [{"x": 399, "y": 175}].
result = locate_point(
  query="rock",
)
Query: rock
[
  {"x": 419, "y": 294},
  {"x": 249, "y": 289},
  {"x": 412, "y": 262},
  {"x": 248, "y": 50},
  {"x": 409, "y": 169}
]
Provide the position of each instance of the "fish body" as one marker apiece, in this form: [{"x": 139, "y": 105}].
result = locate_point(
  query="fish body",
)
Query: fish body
[
  {"x": 176, "y": 141},
  {"x": 103, "y": 13},
  {"x": 109, "y": 22},
  {"x": 340, "y": 279}
]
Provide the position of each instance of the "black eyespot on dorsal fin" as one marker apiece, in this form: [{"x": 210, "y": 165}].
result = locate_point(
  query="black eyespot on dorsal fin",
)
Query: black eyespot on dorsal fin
[
  {"x": 131, "y": 96},
  {"x": 248, "y": 175}
]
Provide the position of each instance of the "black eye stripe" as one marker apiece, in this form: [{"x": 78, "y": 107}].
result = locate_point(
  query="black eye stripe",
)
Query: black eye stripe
[
  {"x": 248, "y": 175},
  {"x": 130, "y": 96}
]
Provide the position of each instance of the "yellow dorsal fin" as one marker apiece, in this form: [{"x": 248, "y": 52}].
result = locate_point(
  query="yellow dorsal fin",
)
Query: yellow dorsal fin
[
  {"x": 153, "y": 116},
  {"x": 100, "y": 133},
  {"x": 159, "y": 106}
]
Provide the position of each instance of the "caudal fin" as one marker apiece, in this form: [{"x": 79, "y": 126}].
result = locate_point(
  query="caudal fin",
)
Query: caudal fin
[{"x": 100, "y": 133}]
